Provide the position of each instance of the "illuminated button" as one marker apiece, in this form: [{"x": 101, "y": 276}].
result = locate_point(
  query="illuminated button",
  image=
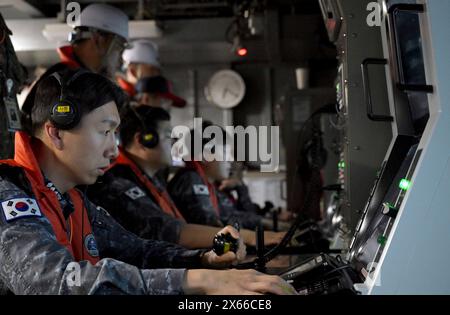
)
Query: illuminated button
[
  {"x": 382, "y": 240},
  {"x": 404, "y": 184}
]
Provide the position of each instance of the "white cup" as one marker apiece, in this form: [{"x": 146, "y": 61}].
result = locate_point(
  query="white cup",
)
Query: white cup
[{"x": 302, "y": 77}]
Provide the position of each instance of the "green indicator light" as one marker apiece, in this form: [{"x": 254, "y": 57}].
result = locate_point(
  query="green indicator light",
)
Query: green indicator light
[
  {"x": 341, "y": 164},
  {"x": 404, "y": 184},
  {"x": 381, "y": 240}
]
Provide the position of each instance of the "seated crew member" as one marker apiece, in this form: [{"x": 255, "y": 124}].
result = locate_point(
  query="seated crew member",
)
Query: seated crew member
[
  {"x": 156, "y": 91},
  {"x": 136, "y": 198},
  {"x": 243, "y": 201},
  {"x": 49, "y": 230},
  {"x": 234, "y": 184},
  {"x": 193, "y": 189}
]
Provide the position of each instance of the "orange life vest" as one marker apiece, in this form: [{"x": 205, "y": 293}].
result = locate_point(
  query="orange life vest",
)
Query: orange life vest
[
  {"x": 162, "y": 197},
  {"x": 74, "y": 235},
  {"x": 67, "y": 57}
]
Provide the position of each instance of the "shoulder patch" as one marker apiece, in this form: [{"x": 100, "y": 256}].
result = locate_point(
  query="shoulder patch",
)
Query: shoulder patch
[
  {"x": 201, "y": 190},
  {"x": 135, "y": 193},
  {"x": 16, "y": 208},
  {"x": 91, "y": 245}
]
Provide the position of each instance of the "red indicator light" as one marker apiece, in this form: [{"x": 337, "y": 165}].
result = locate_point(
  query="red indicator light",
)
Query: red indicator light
[{"x": 242, "y": 51}]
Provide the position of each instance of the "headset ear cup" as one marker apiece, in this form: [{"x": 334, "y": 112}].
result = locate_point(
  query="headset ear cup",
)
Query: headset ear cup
[
  {"x": 149, "y": 138},
  {"x": 316, "y": 155},
  {"x": 64, "y": 115}
]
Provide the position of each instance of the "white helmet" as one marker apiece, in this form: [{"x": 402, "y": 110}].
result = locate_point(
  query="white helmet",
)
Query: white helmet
[
  {"x": 104, "y": 17},
  {"x": 142, "y": 51}
]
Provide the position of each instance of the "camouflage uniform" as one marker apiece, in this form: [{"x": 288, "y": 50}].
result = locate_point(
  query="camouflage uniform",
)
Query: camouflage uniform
[
  {"x": 133, "y": 206},
  {"x": 192, "y": 198},
  {"x": 34, "y": 262},
  {"x": 243, "y": 202}
]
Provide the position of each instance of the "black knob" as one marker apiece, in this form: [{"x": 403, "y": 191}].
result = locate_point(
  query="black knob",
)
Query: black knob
[{"x": 223, "y": 243}]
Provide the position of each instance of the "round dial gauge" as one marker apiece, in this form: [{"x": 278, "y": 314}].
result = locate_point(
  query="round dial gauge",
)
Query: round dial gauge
[{"x": 225, "y": 88}]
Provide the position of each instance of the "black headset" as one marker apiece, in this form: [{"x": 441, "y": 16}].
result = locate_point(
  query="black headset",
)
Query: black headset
[
  {"x": 65, "y": 113},
  {"x": 314, "y": 150},
  {"x": 148, "y": 137}
]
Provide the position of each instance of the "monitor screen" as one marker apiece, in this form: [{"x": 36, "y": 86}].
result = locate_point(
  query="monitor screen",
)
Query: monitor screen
[{"x": 411, "y": 63}]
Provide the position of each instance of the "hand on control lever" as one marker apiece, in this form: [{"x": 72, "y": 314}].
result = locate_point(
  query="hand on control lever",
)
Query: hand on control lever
[{"x": 228, "y": 249}]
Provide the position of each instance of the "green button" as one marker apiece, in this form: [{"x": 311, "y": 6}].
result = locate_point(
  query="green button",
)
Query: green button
[
  {"x": 404, "y": 184},
  {"x": 382, "y": 239}
]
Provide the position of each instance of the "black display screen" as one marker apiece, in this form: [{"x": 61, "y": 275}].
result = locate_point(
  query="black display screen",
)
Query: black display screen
[{"x": 410, "y": 60}]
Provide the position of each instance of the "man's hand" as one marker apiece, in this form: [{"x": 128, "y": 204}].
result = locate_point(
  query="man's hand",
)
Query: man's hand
[
  {"x": 286, "y": 215},
  {"x": 212, "y": 260},
  {"x": 229, "y": 183},
  {"x": 273, "y": 238},
  {"x": 235, "y": 282},
  {"x": 270, "y": 238}
]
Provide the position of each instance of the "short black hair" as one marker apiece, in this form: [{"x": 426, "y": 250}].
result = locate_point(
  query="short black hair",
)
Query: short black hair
[
  {"x": 152, "y": 85},
  {"x": 134, "y": 118},
  {"x": 89, "y": 91}
]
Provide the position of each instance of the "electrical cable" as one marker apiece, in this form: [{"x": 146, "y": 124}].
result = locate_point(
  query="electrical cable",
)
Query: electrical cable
[{"x": 299, "y": 221}]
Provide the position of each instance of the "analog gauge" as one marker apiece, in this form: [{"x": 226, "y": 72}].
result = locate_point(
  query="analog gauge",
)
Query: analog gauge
[{"x": 225, "y": 88}]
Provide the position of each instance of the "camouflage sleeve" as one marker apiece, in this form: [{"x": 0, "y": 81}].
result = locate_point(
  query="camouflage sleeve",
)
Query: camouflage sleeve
[
  {"x": 114, "y": 241},
  {"x": 244, "y": 203},
  {"x": 33, "y": 262},
  {"x": 230, "y": 214},
  {"x": 191, "y": 197},
  {"x": 132, "y": 208}
]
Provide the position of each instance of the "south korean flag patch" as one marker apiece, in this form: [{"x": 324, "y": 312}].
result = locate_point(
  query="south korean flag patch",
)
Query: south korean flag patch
[
  {"x": 135, "y": 193},
  {"x": 201, "y": 190},
  {"x": 20, "y": 208}
]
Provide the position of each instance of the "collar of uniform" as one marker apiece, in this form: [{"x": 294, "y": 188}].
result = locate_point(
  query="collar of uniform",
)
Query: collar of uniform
[
  {"x": 68, "y": 57},
  {"x": 123, "y": 159},
  {"x": 126, "y": 86},
  {"x": 24, "y": 156},
  {"x": 155, "y": 182},
  {"x": 64, "y": 199}
]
